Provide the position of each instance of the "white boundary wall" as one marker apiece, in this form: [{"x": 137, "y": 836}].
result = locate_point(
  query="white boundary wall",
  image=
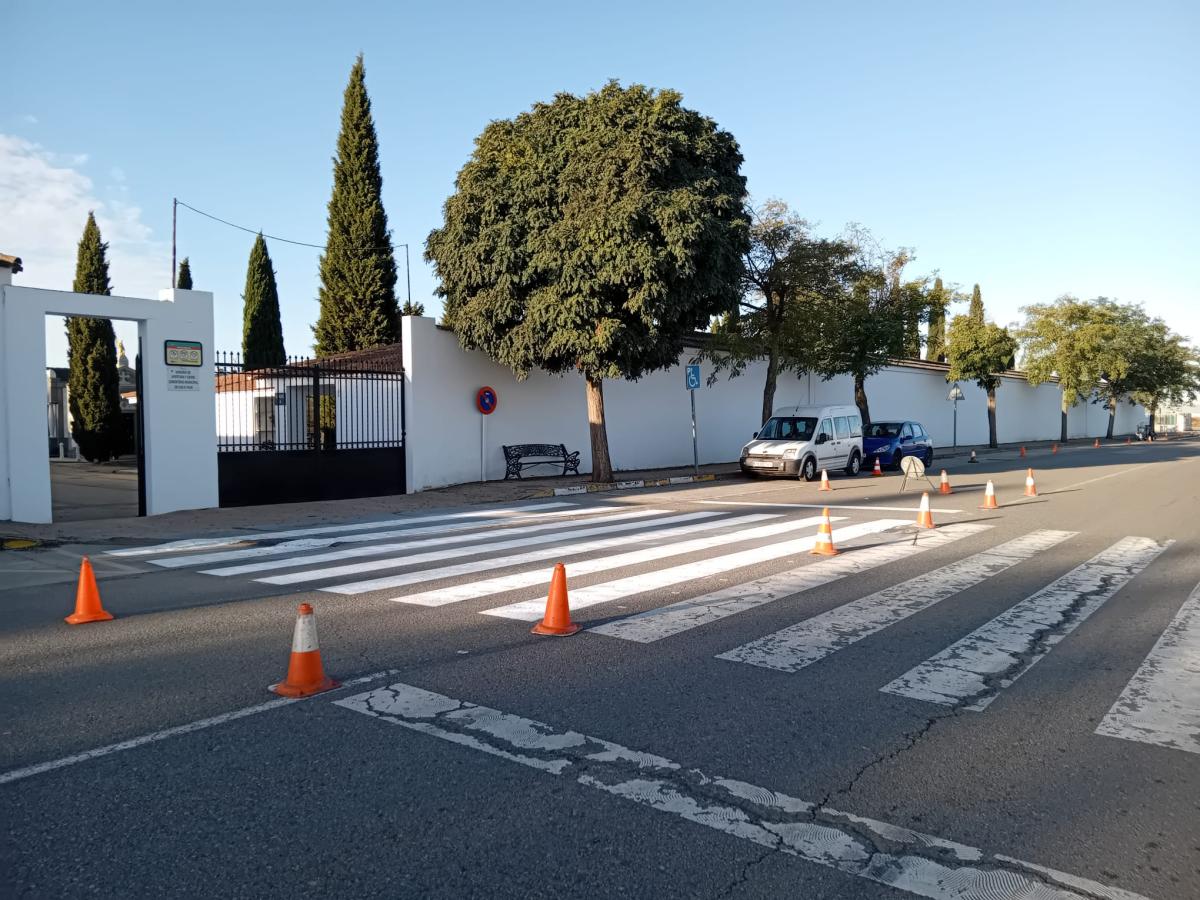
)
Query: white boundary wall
[
  {"x": 649, "y": 421},
  {"x": 181, "y": 446}
]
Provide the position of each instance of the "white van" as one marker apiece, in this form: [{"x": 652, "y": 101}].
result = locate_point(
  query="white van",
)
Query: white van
[{"x": 800, "y": 441}]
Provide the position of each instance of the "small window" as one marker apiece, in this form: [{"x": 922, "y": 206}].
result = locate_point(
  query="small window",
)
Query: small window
[
  {"x": 855, "y": 426},
  {"x": 919, "y": 430},
  {"x": 841, "y": 427},
  {"x": 906, "y": 431},
  {"x": 826, "y": 429}
]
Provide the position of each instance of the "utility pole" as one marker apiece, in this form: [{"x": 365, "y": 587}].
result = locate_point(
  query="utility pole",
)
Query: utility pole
[{"x": 174, "y": 216}]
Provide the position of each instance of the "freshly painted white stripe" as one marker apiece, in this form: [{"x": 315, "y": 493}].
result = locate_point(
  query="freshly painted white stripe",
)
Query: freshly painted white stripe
[
  {"x": 301, "y": 550},
  {"x": 802, "y": 644},
  {"x": 486, "y": 565},
  {"x": 307, "y": 545},
  {"x": 920, "y": 864},
  {"x": 474, "y": 589},
  {"x": 970, "y": 673},
  {"x": 234, "y": 539},
  {"x": 408, "y": 546},
  {"x": 907, "y": 509},
  {"x": 581, "y": 598},
  {"x": 199, "y": 725},
  {"x": 1161, "y": 703},
  {"x": 665, "y": 621}
]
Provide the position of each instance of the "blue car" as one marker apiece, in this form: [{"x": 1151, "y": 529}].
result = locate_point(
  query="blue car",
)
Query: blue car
[{"x": 890, "y": 442}]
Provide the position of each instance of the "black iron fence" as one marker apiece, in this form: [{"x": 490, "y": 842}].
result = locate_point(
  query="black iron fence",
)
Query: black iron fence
[{"x": 329, "y": 428}]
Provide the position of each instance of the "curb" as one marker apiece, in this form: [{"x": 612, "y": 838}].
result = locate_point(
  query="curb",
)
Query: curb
[{"x": 623, "y": 485}]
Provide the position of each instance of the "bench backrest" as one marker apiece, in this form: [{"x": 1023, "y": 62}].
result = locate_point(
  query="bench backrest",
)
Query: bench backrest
[{"x": 516, "y": 451}]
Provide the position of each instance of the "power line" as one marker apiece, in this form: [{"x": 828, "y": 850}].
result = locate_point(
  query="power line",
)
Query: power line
[{"x": 276, "y": 237}]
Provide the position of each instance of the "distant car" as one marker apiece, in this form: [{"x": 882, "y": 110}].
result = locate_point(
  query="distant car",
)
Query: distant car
[{"x": 890, "y": 442}]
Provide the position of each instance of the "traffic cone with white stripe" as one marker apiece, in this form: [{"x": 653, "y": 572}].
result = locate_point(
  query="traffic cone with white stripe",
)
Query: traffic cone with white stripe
[
  {"x": 1022, "y": 453},
  {"x": 825, "y": 486},
  {"x": 925, "y": 517},
  {"x": 1030, "y": 487},
  {"x": 557, "y": 619},
  {"x": 1096, "y": 443},
  {"x": 972, "y": 459},
  {"x": 305, "y": 674},
  {"x": 1128, "y": 441},
  {"x": 1053, "y": 449},
  {"x": 944, "y": 487},
  {"x": 989, "y": 497},
  {"x": 877, "y": 472},
  {"x": 824, "y": 543}
]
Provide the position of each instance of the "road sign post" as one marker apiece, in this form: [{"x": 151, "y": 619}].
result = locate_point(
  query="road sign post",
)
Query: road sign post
[
  {"x": 693, "y": 382},
  {"x": 955, "y": 395}
]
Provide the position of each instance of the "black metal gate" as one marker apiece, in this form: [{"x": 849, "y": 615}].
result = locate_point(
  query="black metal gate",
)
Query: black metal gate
[{"x": 311, "y": 429}]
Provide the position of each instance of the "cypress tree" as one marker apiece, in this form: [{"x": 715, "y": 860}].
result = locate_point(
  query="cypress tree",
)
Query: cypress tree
[
  {"x": 976, "y": 309},
  {"x": 358, "y": 269},
  {"x": 935, "y": 350},
  {"x": 184, "y": 282},
  {"x": 93, "y": 386},
  {"x": 262, "y": 332},
  {"x": 411, "y": 308}
]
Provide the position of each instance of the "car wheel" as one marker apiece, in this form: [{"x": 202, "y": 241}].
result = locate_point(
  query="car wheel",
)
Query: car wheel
[
  {"x": 896, "y": 460},
  {"x": 929, "y": 458},
  {"x": 808, "y": 471},
  {"x": 855, "y": 464}
]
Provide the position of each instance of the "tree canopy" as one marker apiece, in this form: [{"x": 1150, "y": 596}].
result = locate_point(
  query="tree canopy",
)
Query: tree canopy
[
  {"x": 184, "y": 282},
  {"x": 939, "y": 301},
  {"x": 976, "y": 351},
  {"x": 593, "y": 234},
  {"x": 262, "y": 330}
]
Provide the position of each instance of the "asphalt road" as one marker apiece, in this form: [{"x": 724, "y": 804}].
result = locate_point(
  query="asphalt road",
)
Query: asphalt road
[{"x": 981, "y": 710}]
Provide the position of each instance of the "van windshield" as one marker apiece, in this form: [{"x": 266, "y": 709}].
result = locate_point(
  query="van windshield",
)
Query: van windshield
[{"x": 787, "y": 428}]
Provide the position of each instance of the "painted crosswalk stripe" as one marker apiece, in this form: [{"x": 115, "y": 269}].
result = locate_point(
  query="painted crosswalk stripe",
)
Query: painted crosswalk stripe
[
  {"x": 1161, "y": 703},
  {"x": 921, "y": 864},
  {"x": 307, "y": 545},
  {"x": 802, "y": 644},
  {"x": 686, "y": 522},
  {"x": 211, "y": 543},
  {"x": 408, "y": 546},
  {"x": 665, "y": 621},
  {"x": 581, "y": 598},
  {"x": 475, "y": 589},
  {"x": 971, "y": 672}
]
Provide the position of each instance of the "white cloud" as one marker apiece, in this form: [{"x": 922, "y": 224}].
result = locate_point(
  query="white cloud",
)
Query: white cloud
[{"x": 29, "y": 119}]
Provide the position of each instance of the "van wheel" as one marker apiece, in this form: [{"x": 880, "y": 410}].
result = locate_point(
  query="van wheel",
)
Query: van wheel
[
  {"x": 855, "y": 464},
  {"x": 808, "y": 471}
]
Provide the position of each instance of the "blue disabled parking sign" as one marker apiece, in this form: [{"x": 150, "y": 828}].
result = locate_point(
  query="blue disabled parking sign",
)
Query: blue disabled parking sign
[{"x": 693, "y": 377}]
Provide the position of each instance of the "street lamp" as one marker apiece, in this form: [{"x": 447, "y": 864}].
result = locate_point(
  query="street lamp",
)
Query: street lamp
[{"x": 955, "y": 395}]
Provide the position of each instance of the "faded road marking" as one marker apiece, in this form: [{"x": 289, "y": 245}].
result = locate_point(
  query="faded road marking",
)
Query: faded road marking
[
  {"x": 876, "y": 851},
  {"x": 972, "y": 672},
  {"x": 800, "y": 645},
  {"x": 907, "y": 509},
  {"x": 1161, "y": 703}
]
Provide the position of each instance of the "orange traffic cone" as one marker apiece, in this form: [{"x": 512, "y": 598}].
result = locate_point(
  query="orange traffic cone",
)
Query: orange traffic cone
[
  {"x": 1053, "y": 449},
  {"x": 1022, "y": 453},
  {"x": 989, "y": 497},
  {"x": 825, "y": 486},
  {"x": 87, "y": 598},
  {"x": 944, "y": 487},
  {"x": 824, "y": 543},
  {"x": 1030, "y": 487},
  {"x": 1096, "y": 444},
  {"x": 557, "y": 619},
  {"x": 877, "y": 472},
  {"x": 305, "y": 674},
  {"x": 972, "y": 459},
  {"x": 1128, "y": 441},
  {"x": 925, "y": 517}
]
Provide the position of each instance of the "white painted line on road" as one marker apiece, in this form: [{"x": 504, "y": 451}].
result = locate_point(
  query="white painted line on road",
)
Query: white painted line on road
[
  {"x": 478, "y": 543},
  {"x": 307, "y": 545},
  {"x": 973, "y": 671},
  {"x": 199, "y": 725},
  {"x": 581, "y": 598},
  {"x": 1161, "y": 703},
  {"x": 1094, "y": 480},
  {"x": 665, "y": 621},
  {"x": 232, "y": 540},
  {"x": 908, "y": 509},
  {"x": 475, "y": 589},
  {"x": 486, "y": 565},
  {"x": 802, "y": 644},
  {"x": 920, "y": 864}
]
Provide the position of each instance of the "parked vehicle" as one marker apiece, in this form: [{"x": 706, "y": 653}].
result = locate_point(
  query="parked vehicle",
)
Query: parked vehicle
[
  {"x": 800, "y": 441},
  {"x": 890, "y": 442}
]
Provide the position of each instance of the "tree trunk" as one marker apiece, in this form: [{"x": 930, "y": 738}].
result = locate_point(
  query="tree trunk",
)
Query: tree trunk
[
  {"x": 769, "y": 388},
  {"x": 1112, "y": 416},
  {"x": 1063, "y": 435},
  {"x": 860, "y": 399},
  {"x": 601, "y": 463},
  {"x": 991, "y": 395}
]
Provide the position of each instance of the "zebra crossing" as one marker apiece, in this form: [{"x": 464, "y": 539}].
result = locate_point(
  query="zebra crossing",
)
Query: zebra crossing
[{"x": 442, "y": 560}]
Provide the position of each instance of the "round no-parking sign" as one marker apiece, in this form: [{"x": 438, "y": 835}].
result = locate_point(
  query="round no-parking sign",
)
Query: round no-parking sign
[{"x": 486, "y": 400}]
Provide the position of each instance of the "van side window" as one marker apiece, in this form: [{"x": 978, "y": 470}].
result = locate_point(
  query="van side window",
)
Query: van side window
[
  {"x": 855, "y": 426},
  {"x": 826, "y": 429},
  {"x": 841, "y": 427}
]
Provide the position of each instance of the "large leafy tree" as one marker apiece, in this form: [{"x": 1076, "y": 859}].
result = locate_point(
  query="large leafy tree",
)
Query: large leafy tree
[
  {"x": 184, "y": 281},
  {"x": 1067, "y": 339},
  {"x": 976, "y": 351},
  {"x": 93, "y": 384},
  {"x": 262, "y": 330},
  {"x": 1169, "y": 375},
  {"x": 788, "y": 275},
  {"x": 935, "y": 342},
  {"x": 358, "y": 267},
  {"x": 593, "y": 234}
]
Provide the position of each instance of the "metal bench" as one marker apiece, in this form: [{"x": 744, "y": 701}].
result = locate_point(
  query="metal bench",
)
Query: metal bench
[{"x": 538, "y": 455}]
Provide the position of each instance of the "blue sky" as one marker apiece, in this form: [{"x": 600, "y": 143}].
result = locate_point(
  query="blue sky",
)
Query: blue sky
[{"x": 1035, "y": 148}]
